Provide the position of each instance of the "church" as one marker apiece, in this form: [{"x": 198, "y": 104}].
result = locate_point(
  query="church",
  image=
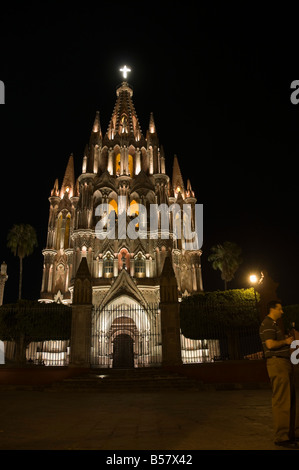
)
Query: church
[{"x": 123, "y": 170}]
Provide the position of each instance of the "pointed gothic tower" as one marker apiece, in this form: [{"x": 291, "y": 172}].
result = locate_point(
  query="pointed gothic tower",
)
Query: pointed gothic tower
[
  {"x": 123, "y": 172},
  {"x": 58, "y": 254},
  {"x": 177, "y": 179}
]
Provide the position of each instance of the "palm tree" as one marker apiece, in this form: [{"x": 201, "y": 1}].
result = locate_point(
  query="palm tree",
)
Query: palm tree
[
  {"x": 22, "y": 240},
  {"x": 226, "y": 258}
]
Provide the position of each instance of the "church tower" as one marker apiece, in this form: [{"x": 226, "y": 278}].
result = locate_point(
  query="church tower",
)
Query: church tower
[
  {"x": 58, "y": 254},
  {"x": 123, "y": 171}
]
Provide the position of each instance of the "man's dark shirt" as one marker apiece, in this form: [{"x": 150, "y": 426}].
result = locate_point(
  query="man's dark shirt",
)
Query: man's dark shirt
[{"x": 269, "y": 329}]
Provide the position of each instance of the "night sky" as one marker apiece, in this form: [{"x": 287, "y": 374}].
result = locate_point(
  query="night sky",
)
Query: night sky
[{"x": 218, "y": 82}]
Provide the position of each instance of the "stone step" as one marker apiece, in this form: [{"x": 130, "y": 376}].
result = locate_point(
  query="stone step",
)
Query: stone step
[{"x": 127, "y": 381}]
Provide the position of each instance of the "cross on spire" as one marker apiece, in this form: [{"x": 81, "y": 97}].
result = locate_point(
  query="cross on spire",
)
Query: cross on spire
[{"x": 125, "y": 71}]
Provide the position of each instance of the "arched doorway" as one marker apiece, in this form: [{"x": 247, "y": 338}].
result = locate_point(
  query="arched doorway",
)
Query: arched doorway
[
  {"x": 121, "y": 318},
  {"x": 123, "y": 355}
]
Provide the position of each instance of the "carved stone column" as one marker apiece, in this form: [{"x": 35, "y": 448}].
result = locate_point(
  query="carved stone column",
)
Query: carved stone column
[
  {"x": 170, "y": 319},
  {"x": 81, "y": 317}
]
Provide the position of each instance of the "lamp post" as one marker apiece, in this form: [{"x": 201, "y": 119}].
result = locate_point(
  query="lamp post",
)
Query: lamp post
[{"x": 254, "y": 280}]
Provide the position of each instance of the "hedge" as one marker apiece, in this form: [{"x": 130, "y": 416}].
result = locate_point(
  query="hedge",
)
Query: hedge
[
  {"x": 35, "y": 321},
  {"x": 213, "y": 314}
]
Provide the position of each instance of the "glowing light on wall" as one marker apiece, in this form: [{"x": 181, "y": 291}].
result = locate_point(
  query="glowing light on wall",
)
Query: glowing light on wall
[
  {"x": 84, "y": 165},
  {"x": 137, "y": 162},
  {"x": 113, "y": 206},
  {"x": 134, "y": 208},
  {"x": 84, "y": 250},
  {"x": 130, "y": 165}
]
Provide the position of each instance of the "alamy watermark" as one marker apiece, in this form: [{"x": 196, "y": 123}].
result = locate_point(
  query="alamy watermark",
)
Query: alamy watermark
[
  {"x": 2, "y": 93},
  {"x": 161, "y": 221},
  {"x": 295, "y": 94},
  {"x": 295, "y": 353}
]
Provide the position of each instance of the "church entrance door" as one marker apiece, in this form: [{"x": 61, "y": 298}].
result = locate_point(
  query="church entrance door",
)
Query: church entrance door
[{"x": 123, "y": 356}]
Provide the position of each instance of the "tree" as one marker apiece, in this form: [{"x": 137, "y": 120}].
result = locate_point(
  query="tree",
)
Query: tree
[
  {"x": 226, "y": 258},
  {"x": 22, "y": 240},
  {"x": 233, "y": 308}
]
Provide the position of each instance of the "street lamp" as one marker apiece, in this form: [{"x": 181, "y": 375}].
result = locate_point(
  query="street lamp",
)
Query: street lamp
[{"x": 253, "y": 279}]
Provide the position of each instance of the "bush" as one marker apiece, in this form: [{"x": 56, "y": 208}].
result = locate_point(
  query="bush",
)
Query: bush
[
  {"x": 35, "y": 321},
  {"x": 212, "y": 314}
]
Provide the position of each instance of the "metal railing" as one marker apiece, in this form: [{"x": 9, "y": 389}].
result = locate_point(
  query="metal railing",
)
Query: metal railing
[
  {"x": 229, "y": 332},
  {"x": 126, "y": 336}
]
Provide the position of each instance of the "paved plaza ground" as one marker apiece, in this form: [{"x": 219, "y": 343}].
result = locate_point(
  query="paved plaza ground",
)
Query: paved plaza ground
[{"x": 170, "y": 420}]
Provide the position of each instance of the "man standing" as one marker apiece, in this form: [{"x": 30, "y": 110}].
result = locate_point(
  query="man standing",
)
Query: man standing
[{"x": 280, "y": 369}]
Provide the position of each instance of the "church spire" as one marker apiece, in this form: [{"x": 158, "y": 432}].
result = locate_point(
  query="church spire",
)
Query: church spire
[
  {"x": 55, "y": 190},
  {"x": 124, "y": 125},
  {"x": 91, "y": 158},
  {"x": 177, "y": 179},
  {"x": 68, "y": 183},
  {"x": 96, "y": 133},
  {"x": 151, "y": 135},
  {"x": 97, "y": 124},
  {"x": 152, "y": 126},
  {"x": 189, "y": 192}
]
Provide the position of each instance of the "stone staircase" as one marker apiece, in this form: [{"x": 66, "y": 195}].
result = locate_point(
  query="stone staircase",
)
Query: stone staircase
[{"x": 127, "y": 380}]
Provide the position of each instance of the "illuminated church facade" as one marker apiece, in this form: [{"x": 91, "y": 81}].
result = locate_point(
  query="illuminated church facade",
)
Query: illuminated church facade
[{"x": 121, "y": 167}]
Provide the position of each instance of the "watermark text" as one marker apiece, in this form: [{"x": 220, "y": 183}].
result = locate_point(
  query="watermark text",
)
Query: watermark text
[
  {"x": 160, "y": 221},
  {"x": 2, "y": 93}
]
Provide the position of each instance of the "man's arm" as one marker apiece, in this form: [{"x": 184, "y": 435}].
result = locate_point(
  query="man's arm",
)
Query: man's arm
[{"x": 275, "y": 344}]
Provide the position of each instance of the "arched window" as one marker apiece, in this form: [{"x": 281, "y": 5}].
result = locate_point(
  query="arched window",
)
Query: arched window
[
  {"x": 140, "y": 266},
  {"x": 124, "y": 124},
  {"x": 113, "y": 206},
  {"x": 124, "y": 260},
  {"x": 108, "y": 266},
  {"x": 178, "y": 230},
  {"x": 60, "y": 277},
  {"x": 117, "y": 165},
  {"x": 130, "y": 165},
  {"x": 134, "y": 210}
]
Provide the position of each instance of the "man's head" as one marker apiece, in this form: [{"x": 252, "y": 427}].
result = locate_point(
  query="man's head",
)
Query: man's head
[{"x": 275, "y": 310}]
